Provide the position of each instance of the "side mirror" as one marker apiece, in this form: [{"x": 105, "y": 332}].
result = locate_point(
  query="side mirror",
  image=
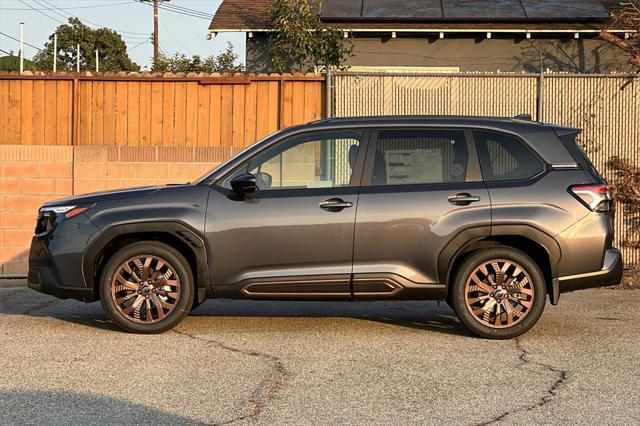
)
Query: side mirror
[{"x": 244, "y": 184}]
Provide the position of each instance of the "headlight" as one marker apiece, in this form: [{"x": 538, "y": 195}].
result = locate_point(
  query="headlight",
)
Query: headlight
[{"x": 67, "y": 211}]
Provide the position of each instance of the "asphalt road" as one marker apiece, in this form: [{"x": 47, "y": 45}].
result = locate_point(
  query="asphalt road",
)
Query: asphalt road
[{"x": 62, "y": 362}]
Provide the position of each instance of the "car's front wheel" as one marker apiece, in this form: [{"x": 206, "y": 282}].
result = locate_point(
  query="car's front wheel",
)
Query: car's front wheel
[
  {"x": 499, "y": 293},
  {"x": 147, "y": 287}
]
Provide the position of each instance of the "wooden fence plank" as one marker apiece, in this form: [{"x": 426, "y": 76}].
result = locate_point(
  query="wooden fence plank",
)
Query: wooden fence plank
[
  {"x": 237, "y": 117},
  {"x": 50, "y": 122},
  {"x": 39, "y": 114},
  {"x": 215, "y": 117},
  {"x": 297, "y": 102},
  {"x": 133, "y": 114},
  {"x": 168, "y": 113},
  {"x": 145, "y": 113},
  {"x": 63, "y": 116},
  {"x": 226, "y": 111},
  {"x": 251, "y": 113},
  {"x": 191, "y": 128},
  {"x": 5, "y": 123},
  {"x": 203, "y": 115},
  {"x": 274, "y": 109},
  {"x": 262, "y": 109},
  {"x": 98, "y": 113},
  {"x": 180, "y": 96},
  {"x": 156, "y": 113},
  {"x": 26, "y": 111},
  {"x": 122, "y": 94},
  {"x": 109, "y": 113},
  {"x": 286, "y": 102}
]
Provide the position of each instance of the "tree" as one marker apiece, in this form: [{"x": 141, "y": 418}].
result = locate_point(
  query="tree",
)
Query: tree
[
  {"x": 627, "y": 19},
  {"x": 301, "y": 41},
  {"x": 112, "y": 50},
  {"x": 626, "y": 179},
  {"x": 226, "y": 62}
]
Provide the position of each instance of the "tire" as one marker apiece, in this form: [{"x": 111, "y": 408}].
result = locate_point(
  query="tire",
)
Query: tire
[
  {"x": 167, "y": 291},
  {"x": 484, "y": 309}
]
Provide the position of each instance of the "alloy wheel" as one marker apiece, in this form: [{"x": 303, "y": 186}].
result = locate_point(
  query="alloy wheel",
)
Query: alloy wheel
[
  {"x": 499, "y": 293},
  {"x": 145, "y": 289}
]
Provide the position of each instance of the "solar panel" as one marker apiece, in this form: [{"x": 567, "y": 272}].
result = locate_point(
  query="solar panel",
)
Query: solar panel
[
  {"x": 405, "y": 9},
  {"x": 462, "y": 10}
]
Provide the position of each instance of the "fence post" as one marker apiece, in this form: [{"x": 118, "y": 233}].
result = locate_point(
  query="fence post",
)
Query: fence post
[{"x": 328, "y": 94}]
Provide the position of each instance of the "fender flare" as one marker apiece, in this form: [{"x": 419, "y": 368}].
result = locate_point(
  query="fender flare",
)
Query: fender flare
[
  {"x": 456, "y": 246},
  {"x": 177, "y": 229}
]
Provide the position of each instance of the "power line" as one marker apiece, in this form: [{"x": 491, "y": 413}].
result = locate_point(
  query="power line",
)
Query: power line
[
  {"x": 90, "y": 22},
  {"x": 18, "y": 40},
  {"x": 68, "y": 8},
  {"x": 181, "y": 10},
  {"x": 42, "y": 13}
]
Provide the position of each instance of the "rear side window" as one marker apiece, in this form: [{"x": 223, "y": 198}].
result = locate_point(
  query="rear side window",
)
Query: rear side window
[
  {"x": 504, "y": 157},
  {"x": 408, "y": 157}
]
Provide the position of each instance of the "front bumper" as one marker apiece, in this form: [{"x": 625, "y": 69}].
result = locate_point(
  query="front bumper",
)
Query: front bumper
[
  {"x": 44, "y": 279},
  {"x": 610, "y": 274},
  {"x": 55, "y": 259}
]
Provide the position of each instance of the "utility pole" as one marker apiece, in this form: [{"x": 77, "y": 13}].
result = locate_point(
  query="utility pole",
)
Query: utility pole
[
  {"x": 21, "y": 47},
  {"x": 97, "y": 61},
  {"x": 55, "y": 52},
  {"x": 78, "y": 58},
  {"x": 156, "y": 40}
]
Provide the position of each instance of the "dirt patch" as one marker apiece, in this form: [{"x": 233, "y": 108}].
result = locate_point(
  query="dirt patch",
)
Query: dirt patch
[{"x": 630, "y": 280}]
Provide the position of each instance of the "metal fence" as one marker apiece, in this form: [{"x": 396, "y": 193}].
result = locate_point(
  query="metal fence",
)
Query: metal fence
[{"x": 606, "y": 107}]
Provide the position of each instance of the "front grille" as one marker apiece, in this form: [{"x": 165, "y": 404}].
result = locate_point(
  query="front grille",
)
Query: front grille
[{"x": 46, "y": 222}]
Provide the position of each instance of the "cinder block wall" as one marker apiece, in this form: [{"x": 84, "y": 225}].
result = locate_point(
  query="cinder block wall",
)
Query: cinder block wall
[{"x": 32, "y": 175}]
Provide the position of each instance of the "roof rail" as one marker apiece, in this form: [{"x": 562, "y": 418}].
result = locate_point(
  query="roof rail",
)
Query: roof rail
[{"x": 526, "y": 117}]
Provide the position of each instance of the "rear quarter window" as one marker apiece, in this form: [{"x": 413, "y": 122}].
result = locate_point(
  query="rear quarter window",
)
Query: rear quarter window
[{"x": 505, "y": 158}]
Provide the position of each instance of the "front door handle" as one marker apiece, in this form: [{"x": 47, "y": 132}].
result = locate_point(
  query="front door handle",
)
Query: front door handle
[
  {"x": 335, "y": 204},
  {"x": 462, "y": 199}
]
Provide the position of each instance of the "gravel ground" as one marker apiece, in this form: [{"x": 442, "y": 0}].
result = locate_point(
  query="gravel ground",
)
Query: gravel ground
[{"x": 63, "y": 362}]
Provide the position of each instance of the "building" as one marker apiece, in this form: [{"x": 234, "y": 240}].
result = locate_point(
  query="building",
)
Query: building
[{"x": 449, "y": 35}]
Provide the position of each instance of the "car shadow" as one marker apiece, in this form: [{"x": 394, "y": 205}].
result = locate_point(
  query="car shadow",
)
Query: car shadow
[
  {"x": 63, "y": 407},
  {"x": 420, "y": 315}
]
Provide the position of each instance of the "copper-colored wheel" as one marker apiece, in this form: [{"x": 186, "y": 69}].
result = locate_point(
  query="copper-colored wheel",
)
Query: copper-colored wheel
[
  {"x": 145, "y": 289},
  {"x": 499, "y": 293}
]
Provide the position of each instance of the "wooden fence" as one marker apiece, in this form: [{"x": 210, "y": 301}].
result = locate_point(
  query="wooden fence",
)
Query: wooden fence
[{"x": 151, "y": 111}]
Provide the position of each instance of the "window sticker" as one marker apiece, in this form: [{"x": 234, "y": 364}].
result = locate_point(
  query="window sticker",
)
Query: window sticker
[{"x": 405, "y": 166}]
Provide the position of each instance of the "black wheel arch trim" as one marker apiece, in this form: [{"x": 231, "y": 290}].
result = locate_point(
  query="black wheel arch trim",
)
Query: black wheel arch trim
[
  {"x": 189, "y": 236},
  {"x": 457, "y": 245}
]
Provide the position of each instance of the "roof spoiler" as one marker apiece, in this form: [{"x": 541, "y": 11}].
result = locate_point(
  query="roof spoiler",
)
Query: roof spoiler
[{"x": 566, "y": 131}]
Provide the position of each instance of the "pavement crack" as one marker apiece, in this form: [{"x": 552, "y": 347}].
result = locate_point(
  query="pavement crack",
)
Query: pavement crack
[
  {"x": 561, "y": 380},
  {"x": 266, "y": 390}
]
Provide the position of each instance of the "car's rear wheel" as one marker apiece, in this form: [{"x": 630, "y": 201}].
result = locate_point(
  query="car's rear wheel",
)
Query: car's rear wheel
[
  {"x": 499, "y": 293},
  {"x": 147, "y": 287}
]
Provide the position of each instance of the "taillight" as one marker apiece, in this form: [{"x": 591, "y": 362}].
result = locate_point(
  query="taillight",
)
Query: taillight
[{"x": 597, "y": 198}]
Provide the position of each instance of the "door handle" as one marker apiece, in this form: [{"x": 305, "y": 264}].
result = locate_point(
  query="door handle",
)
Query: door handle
[
  {"x": 462, "y": 199},
  {"x": 335, "y": 204}
]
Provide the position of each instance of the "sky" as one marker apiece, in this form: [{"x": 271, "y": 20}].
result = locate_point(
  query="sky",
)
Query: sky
[{"x": 134, "y": 21}]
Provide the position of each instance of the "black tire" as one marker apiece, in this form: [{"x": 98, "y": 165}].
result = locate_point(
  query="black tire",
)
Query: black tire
[
  {"x": 464, "y": 307},
  {"x": 181, "y": 304}
]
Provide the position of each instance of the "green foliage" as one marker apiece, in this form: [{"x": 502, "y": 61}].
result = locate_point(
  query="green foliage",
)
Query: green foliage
[
  {"x": 12, "y": 63},
  {"x": 111, "y": 48},
  {"x": 226, "y": 62},
  {"x": 301, "y": 42},
  {"x": 626, "y": 181}
]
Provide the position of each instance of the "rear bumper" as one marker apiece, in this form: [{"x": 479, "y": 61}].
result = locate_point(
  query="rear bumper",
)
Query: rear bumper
[{"x": 610, "y": 274}]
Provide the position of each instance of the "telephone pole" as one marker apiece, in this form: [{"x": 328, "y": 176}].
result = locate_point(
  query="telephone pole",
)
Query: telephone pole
[{"x": 156, "y": 41}]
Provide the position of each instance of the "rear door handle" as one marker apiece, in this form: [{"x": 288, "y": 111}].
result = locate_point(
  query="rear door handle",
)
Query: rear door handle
[
  {"x": 462, "y": 199},
  {"x": 335, "y": 204}
]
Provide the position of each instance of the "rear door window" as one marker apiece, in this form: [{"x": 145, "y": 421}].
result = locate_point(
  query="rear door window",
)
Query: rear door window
[
  {"x": 419, "y": 156},
  {"x": 505, "y": 158}
]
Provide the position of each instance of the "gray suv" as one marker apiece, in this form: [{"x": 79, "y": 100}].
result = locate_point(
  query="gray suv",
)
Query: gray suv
[{"x": 493, "y": 215}]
